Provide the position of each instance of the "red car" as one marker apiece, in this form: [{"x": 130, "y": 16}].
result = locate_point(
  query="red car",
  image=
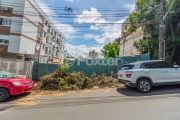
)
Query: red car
[{"x": 11, "y": 85}]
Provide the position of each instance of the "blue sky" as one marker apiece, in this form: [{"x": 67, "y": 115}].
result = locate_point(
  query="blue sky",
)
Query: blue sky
[{"x": 92, "y": 24}]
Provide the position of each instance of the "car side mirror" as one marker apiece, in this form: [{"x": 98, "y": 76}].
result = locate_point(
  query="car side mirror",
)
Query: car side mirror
[{"x": 175, "y": 66}]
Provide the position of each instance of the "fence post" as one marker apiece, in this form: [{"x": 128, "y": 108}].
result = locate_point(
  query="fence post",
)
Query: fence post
[
  {"x": 17, "y": 72},
  {"x": 8, "y": 65},
  {"x": 28, "y": 70}
]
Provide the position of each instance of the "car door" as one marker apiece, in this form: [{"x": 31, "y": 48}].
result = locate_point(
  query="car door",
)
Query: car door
[
  {"x": 153, "y": 71},
  {"x": 171, "y": 74}
]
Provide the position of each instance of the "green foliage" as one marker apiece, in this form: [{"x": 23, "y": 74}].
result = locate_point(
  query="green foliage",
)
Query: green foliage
[
  {"x": 63, "y": 68},
  {"x": 62, "y": 84},
  {"x": 141, "y": 45},
  {"x": 148, "y": 46},
  {"x": 66, "y": 60},
  {"x": 74, "y": 81},
  {"x": 111, "y": 50},
  {"x": 145, "y": 15},
  {"x": 132, "y": 19}
]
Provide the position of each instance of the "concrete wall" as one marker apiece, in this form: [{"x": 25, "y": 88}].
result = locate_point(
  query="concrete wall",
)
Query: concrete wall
[
  {"x": 4, "y": 37},
  {"x": 14, "y": 44},
  {"x": 16, "y": 24},
  {"x": 31, "y": 13},
  {"x": 126, "y": 43},
  {"x": 29, "y": 30},
  {"x": 27, "y": 46}
]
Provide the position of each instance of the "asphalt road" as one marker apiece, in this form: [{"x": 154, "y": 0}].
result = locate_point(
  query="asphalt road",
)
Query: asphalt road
[{"x": 163, "y": 103}]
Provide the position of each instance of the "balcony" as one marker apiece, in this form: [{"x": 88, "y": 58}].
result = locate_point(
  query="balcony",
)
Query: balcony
[
  {"x": 54, "y": 38},
  {"x": 40, "y": 26},
  {"x": 48, "y": 40}
]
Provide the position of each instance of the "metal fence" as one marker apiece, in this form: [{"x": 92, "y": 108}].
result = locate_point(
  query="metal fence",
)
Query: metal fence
[
  {"x": 42, "y": 69},
  {"x": 19, "y": 68},
  {"x": 102, "y": 67}
]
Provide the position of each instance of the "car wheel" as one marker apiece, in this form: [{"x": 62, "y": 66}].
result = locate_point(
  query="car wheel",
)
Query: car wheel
[
  {"x": 4, "y": 94},
  {"x": 144, "y": 86}
]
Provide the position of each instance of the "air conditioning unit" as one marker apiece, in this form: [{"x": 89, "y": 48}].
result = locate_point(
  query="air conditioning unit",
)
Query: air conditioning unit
[
  {"x": 1, "y": 40},
  {"x": 4, "y": 8},
  {"x": 6, "y": 41}
]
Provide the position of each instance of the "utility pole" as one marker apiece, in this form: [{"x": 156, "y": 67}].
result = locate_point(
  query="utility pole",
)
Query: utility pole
[
  {"x": 162, "y": 29},
  {"x": 162, "y": 32},
  {"x": 39, "y": 53}
]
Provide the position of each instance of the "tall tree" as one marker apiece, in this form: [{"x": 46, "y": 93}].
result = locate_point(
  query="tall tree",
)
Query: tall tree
[
  {"x": 111, "y": 50},
  {"x": 148, "y": 17}
]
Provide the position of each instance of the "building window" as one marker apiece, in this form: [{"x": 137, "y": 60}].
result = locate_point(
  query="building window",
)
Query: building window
[
  {"x": 5, "y": 22},
  {"x": 47, "y": 39},
  {"x": 46, "y": 50},
  {"x": 50, "y": 41},
  {"x": 1, "y": 21},
  {"x": 50, "y": 51},
  {"x": 6, "y": 41},
  {"x": 39, "y": 34},
  {"x": 46, "y": 23},
  {"x": 1, "y": 40},
  {"x": 42, "y": 47},
  {"x": 49, "y": 28},
  {"x": 56, "y": 53},
  {"x": 41, "y": 20},
  {"x": 52, "y": 31}
]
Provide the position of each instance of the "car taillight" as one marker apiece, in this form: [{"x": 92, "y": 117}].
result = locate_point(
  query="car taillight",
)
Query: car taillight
[{"x": 128, "y": 74}]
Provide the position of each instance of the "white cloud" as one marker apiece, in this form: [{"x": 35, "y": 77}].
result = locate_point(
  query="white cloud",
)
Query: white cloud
[
  {"x": 83, "y": 50},
  {"x": 71, "y": 0},
  {"x": 92, "y": 16},
  {"x": 66, "y": 29},
  {"x": 91, "y": 36},
  {"x": 110, "y": 31},
  {"x": 45, "y": 8},
  {"x": 131, "y": 7}
]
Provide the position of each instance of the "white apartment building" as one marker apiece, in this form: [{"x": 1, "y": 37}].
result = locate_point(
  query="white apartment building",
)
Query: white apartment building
[{"x": 26, "y": 32}]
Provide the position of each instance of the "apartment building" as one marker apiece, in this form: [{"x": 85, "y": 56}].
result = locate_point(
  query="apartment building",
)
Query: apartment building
[
  {"x": 93, "y": 54},
  {"x": 26, "y": 32}
]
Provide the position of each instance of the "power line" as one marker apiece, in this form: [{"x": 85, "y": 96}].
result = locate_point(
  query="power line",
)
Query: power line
[
  {"x": 101, "y": 30},
  {"x": 54, "y": 7},
  {"x": 99, "y": 37}
]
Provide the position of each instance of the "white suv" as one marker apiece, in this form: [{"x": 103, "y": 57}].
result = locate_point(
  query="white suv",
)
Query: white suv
[{"x": 144, "y": 75}]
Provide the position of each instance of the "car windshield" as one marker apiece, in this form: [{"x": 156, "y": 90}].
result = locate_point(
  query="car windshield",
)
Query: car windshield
[
  {"x": 127, "y": 67},
  {"x": 4, "y": 74}
]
